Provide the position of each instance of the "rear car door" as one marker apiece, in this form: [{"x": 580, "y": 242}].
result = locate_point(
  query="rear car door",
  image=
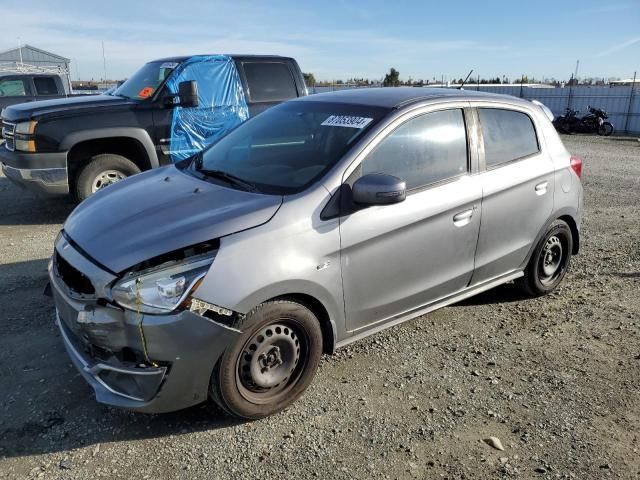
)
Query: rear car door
[
  {"x": 518, "y": 187},
  {"x": 268, "y": 83},
  {"x": 397, "y": 258}
]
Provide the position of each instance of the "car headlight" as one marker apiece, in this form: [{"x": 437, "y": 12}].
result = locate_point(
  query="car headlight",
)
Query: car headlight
[
  {"x": 26, "y": 128},
  {"x": 161, "y": 290}
]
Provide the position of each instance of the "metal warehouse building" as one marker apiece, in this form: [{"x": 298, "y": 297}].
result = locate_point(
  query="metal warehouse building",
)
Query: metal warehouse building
[
  {"x": 34, "y": 56},
  {"x": 27, "y": 58}
]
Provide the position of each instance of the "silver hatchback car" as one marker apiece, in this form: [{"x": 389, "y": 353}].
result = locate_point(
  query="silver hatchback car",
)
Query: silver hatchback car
[{"x": 312, "y": 225}]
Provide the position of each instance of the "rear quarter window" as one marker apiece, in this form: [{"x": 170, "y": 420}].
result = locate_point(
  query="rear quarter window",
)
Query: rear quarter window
[
  {"x": 508, "y": 135},
  {"x": 45, "y": 86},
  {"x": 269, "y": 82}
]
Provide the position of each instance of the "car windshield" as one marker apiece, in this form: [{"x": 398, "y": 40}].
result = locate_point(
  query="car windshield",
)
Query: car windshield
[
  {"x": 286, "y": 148},
  {"x": 144, "y": 83}
]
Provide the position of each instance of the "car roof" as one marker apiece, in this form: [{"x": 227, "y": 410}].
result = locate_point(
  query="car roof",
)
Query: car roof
[
  {"x": 401, "y": 96},
  {"x": 232, "y": 55}
]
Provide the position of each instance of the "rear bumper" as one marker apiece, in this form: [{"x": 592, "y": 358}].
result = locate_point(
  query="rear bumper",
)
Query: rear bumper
[{"x": 43, "y": 173}]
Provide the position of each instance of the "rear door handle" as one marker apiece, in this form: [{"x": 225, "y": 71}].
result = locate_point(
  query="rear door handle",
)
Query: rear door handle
[
  {"x": 462, "y": 218},
  {"x": 541, "y": 188}
]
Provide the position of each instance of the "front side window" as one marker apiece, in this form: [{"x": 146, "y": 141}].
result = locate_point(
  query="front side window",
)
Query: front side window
[
  {"x": 424, "y": 150},
  {"x": 508, "y": 135},
  {"x": 12, "y": 88},
  {"x": 269, "y": 82},
  {"x": 45, "y": 86},
  {"x": 289, "y": 146}
]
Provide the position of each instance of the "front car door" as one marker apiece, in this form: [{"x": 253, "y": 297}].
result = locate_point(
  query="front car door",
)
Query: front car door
[
  {"x": 518, "y": 187},
  {"x": 397, "y": 258}
]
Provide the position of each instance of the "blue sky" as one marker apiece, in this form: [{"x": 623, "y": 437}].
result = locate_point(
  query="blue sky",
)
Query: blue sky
[{"x": 340, "y": 39}]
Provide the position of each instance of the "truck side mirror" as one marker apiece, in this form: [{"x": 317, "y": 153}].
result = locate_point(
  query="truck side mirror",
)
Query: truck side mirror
[{"x": 188, "y": 93}]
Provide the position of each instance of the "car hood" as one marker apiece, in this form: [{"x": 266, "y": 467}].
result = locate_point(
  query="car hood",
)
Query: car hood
[
  {"x": 160, "y": 211},
  {"x": 29, "y": 110}
]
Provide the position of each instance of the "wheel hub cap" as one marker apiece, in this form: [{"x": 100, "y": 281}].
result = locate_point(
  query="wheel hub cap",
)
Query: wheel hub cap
[
  {"x": 106, "y": 178},
  {"x": 269, "y": 358},
  {"x": 551, "y": 256}
]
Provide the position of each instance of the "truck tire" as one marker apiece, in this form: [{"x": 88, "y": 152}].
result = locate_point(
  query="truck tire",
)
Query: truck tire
[
  {"x": 271, "y": 363},
  {"x": 102, "y": 171}
]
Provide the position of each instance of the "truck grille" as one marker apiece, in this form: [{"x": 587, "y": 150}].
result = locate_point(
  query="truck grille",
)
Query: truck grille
[
  {"x": 8, "y": 132},
  {"x": 74, "y": 279}
]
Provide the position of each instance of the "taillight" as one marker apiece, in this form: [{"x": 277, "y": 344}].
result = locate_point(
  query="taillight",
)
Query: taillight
[{"x": 576, "y": 166}]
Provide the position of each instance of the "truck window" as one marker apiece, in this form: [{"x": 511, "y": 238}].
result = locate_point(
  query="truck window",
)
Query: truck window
[
  {"x": 269, "y": 82},
  {"x": 10, "y": 87},
  {"x": 45, "y": 86}
]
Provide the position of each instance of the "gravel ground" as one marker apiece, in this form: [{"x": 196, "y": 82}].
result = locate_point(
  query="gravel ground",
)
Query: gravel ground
[{"x": 556, "y": 379}]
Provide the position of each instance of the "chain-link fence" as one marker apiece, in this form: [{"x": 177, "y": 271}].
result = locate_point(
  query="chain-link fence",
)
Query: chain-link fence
[{"x": 622, "y": 103}]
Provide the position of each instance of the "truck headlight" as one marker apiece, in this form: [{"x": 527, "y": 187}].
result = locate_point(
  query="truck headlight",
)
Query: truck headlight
[
  {"x": 26, "y": 128},
  {"x": 162, "y": 289},
  {"x": 22, "y": 136}
]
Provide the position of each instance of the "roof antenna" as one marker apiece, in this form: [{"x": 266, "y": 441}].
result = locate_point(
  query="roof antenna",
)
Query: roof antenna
[{"x": 465, "y": 80}]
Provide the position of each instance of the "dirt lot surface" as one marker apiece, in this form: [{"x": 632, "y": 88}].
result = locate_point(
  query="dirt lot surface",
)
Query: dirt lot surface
[{"x": 556, "y": 379}]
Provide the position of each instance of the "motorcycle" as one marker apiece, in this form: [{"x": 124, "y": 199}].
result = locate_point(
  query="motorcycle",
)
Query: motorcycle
[{"x": 593, "y": 122}]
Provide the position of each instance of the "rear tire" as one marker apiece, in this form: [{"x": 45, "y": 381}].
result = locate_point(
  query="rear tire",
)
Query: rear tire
[
  {"x": 550, "y": 260},
  {"x": 102, "y": 171},
  {"x": 271, "y": 363}
]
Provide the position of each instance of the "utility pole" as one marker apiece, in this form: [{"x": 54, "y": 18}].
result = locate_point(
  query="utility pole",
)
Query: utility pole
[
  {"x": 104, "y": 64},
  {"x": 576, "y": 74}
]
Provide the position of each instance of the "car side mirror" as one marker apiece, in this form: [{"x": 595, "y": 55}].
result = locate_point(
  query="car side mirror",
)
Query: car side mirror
[
  {"x": 379, "y": 189},
  {"x": 188, "y": 93}
]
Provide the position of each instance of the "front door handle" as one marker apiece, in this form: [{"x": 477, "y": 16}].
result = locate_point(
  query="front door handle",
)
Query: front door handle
[
  {"x": 541, "y": 188},
  {"x": 462, "y": 218}
]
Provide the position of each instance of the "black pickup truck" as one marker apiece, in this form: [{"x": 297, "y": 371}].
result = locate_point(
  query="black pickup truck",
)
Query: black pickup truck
[
  {"x": 17, "y": 87},
  {"x": 169, "y": 110}
]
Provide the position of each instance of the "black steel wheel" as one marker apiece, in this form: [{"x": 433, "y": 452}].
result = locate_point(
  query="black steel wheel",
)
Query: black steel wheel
[
  {"x": 550, "y": 260},
  {"x": 271, "y": 363}
]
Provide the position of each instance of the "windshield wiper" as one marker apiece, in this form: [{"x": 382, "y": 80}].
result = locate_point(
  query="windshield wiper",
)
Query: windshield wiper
[{"x": 229, "y": 178}]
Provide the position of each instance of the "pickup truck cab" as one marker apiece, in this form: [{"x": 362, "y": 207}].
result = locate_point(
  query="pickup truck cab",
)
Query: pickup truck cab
[
  {"x": 18, "y": 87},
  {"x": 169, "y": 110}
]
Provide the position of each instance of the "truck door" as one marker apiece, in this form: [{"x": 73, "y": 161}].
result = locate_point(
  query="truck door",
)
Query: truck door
[
  {"x": 268, "y": 82},
  {"x": 14, "y": 89}
]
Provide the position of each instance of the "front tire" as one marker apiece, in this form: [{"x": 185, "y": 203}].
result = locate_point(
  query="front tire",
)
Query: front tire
[
  {"x": 101, "y": 171},
  {"x": 606, "y": 129},
  {"x": 271, "y": 364},
  {"x": 550, "y": 260}
]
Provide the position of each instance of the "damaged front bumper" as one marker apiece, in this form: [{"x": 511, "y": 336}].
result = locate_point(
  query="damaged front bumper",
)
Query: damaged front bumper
[{"x": 142, "y": 362}]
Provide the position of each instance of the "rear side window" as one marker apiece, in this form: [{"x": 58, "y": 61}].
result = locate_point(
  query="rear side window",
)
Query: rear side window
[
  {"x": 12, "y": 88},
  {"x": 424, "y": 150},
  {"x": 269, "y": 82},
  {"x": 45, "y": 86},
  {"x": 508, "y": 135}
]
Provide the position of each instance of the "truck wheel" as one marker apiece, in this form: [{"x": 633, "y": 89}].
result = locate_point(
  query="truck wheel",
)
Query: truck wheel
[
  {"x": 549, "y": 262},
  {"x": 103, "y": 170},
  {"x": 272, "y": 362}
]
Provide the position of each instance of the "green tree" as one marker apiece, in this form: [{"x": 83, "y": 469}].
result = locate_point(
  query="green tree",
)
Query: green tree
[
  {"x": 309, "y": 79},
  {"x": 392, "y": 79}
]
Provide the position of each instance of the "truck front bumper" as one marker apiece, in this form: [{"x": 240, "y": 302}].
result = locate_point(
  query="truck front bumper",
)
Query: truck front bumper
[{"x": 42, "y": 173}]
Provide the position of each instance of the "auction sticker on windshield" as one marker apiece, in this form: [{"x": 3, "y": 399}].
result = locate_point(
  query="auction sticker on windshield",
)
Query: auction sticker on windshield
[{"x": 346, "y": 121}]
